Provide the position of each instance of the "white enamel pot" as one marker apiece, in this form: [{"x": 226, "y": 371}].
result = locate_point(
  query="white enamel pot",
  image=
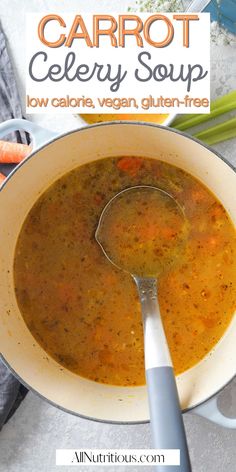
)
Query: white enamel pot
[{"x": 51, "y": 158}]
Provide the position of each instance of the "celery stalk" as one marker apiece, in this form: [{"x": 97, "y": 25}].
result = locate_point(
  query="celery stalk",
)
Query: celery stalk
[
  {"x": 220, "y": 137},
  {"x": 218, "y": 107},
  {"x": 218, "y": 133}
]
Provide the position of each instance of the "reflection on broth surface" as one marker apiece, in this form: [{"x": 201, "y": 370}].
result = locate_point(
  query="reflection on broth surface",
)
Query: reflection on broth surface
[{"x": 85, "y": 312}]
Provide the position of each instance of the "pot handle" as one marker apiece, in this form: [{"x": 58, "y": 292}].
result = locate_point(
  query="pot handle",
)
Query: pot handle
[
  {"x": 210, "y": 410},
  {"x": 39, "y": 135}
]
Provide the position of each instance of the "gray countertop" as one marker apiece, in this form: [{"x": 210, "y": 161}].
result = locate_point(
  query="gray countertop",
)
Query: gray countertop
[{"x": 28, "y": 442}]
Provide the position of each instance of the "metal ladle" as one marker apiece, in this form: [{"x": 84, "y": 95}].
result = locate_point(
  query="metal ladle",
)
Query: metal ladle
[{"x": 166, "y": 417}]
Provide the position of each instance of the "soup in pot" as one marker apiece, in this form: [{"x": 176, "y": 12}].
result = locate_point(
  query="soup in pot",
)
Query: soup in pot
[{"x": 84, "y": 311}]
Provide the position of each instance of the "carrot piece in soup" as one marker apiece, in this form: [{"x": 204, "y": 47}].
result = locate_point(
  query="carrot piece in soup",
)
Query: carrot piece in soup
[
  {"x": 130, "y": 165},
  {"x": 198, "y": 195},
  {"x": 66, "y": 292},
  {"x": 148, "y": 231},
  {"x": 109, "y": 279},
  {"x": 98, "y": 198},
  {"x": 209, "y": 322}
]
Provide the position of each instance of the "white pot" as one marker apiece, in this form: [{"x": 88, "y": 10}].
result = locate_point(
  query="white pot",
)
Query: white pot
[{"x": 19, "y": 192}]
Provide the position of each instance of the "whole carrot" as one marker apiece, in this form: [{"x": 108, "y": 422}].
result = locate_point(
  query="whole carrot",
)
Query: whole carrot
[
  {"x": 13, "y": 153},
  {"x": 2, "y": 178}
]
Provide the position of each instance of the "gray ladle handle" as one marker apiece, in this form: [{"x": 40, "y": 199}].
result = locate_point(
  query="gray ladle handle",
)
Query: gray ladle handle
[{"x": 166, "y": 417}]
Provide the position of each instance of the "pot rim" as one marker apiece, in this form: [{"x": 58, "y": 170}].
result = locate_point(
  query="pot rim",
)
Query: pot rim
[
  {"x": 32, "y": 154},
  {"x": 98, "y": 420},
  {"x": 115, "y": 123}
]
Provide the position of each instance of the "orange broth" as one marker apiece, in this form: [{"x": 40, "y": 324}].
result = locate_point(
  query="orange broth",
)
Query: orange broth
[{"x": 84, "y": 311}]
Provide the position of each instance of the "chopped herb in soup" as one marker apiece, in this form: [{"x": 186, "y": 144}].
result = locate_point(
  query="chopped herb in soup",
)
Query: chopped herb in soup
[{"x": 84, "y": 311}]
